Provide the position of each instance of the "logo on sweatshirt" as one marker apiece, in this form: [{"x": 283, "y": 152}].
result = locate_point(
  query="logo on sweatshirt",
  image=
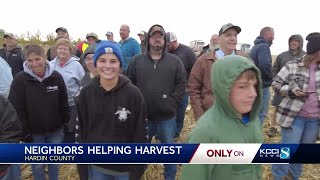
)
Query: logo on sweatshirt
[
  {"x": 123, "y": 114},
  {"x": 52, "y": 88}
]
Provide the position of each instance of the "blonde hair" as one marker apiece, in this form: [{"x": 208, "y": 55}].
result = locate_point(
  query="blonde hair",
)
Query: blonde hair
[{"x": 64, "y": 42}]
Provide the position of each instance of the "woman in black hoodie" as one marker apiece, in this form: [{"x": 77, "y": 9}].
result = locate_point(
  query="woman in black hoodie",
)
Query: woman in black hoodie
[
  {"x": 111, "y": 110},
  {"x": 39, "y": 95},
  {"x": 87, "y": 59}
]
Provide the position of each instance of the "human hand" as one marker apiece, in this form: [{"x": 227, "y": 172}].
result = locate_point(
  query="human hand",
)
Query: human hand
[{"x": 298, "y": 92}]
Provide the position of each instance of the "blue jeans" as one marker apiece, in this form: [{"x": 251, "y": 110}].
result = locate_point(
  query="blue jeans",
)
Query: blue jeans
[
  {"x": 95, "y": 175},
  {"x": 165, "y": 129},
  {"x": 265, "y": 104},
  {"x": 304, "y": 130},
  {"x": 14, "y": 172},
  {"x": 38, "y": 170},
  {"x": 181, "y": 110}
]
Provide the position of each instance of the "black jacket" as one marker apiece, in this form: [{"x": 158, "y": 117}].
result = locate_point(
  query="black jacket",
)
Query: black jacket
[
  {"x": 162, "y": 84},
  {"x": 14, "y": 59},
  {"x": 10, "y": 126},
  {"x": 42, "y": 106},
  {"x": 187, "y": 56},
  {"x": 115, "y": 116}
]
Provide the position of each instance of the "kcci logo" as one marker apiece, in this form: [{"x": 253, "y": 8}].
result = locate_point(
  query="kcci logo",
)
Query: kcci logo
[{"x": 282, "y": 153}]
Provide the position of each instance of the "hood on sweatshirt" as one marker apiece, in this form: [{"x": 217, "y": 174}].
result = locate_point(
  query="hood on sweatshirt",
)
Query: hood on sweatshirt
[
  {"x": 149, "y": 34},
  {"x": 123, "y": 80},
  {"x": 260, "y": 39},
  {"x": 49, "y": 70},
  {"x": 300, "y": 39},
  {"x": 231, "y": 67}
]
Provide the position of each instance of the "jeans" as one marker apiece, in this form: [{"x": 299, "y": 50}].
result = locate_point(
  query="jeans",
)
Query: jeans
[
  {"x": 304, "y": 130},
  {"x": 265, "y": 104},
  {"x": 38, "y": 170},
  {"x": 95, "y": 175},
  {"x": 181, "y": 110},
  {"x": 165, "y": 129},
  {"x": 69, "y": 133},
  {"x": 14, "y": 172}
]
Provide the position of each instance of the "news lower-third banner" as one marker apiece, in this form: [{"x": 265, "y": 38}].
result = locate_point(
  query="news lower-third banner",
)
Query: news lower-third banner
[{"x": 159, "y": 153}]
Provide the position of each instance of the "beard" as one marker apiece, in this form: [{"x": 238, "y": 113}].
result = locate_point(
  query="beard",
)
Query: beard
[{"x": 157, "y": 47}]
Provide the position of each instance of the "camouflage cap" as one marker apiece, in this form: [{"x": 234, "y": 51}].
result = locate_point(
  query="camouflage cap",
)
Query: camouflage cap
[
  {"x": 157, "y": 28},
  {"x": 92, "y": 34},
  {"x": 10, "y": 35},
  {"x": 225, "y": 27},
  {"x": 143, "y": 33}
]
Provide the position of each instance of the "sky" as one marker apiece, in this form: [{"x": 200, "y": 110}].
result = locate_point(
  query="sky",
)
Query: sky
[{"x": 189, "y": 20}]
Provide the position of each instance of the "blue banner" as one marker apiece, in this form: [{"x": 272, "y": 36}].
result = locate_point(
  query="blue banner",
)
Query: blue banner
[
  {"x": 97, "y": 153},
  {"x": 158, "y": 153}
]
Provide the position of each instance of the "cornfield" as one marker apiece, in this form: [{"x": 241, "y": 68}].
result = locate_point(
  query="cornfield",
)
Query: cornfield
[{"x": 155, "y": 171}]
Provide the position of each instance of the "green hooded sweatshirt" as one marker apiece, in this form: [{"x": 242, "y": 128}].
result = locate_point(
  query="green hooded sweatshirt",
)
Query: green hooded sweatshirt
[{"x": 221, "y": 124}]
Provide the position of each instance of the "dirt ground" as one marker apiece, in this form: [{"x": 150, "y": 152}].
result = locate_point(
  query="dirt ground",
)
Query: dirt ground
[{"x": 69, "y": 172}]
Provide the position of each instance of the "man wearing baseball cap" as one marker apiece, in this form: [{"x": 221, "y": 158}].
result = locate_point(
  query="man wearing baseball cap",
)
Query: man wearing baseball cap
[
  {"x": 142, "y": 35},
  {"x": 188, "y": 58},
  {"x": 12, "y": 53},
  {"x": 199, "y": 84},
  {"x": 62, "y": 32},
  {"x": 161, "y": 77},
  {"x": 109, "y": 35},
  {"x": 92, "y": 38}
]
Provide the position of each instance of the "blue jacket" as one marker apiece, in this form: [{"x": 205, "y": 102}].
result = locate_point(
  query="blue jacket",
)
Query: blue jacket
[
  {"x": 261, "y": 55},
  {"x": 129, "y": 48},
  {"x": 5, "y": 78}
]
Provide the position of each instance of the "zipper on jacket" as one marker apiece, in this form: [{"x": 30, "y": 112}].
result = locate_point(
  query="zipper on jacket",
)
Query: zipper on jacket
[{"x": 155, "y": 65}]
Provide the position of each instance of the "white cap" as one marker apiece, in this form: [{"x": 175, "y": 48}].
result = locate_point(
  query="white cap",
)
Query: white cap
[{"x": 170, "y": 36}]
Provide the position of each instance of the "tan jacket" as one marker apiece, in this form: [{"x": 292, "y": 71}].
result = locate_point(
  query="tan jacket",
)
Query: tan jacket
[{"x": 199, "y": 84}]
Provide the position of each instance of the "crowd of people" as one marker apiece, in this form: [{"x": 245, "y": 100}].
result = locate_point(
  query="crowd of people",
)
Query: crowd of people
[{"x": 103, "y": 91}]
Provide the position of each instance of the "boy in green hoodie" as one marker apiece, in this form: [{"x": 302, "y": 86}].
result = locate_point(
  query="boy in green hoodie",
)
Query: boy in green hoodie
[{"x": 234, "y": 118}]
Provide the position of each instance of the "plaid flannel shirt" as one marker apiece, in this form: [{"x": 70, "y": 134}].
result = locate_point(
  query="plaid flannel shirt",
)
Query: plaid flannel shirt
[{"x": 293, "y": 75}]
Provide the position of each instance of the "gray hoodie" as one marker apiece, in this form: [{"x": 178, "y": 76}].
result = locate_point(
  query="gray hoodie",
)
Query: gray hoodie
[
  {"x": 287, "y": 56},
  {"x": 48, "y": 73},
  {"x": 72, "y": 73}
]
